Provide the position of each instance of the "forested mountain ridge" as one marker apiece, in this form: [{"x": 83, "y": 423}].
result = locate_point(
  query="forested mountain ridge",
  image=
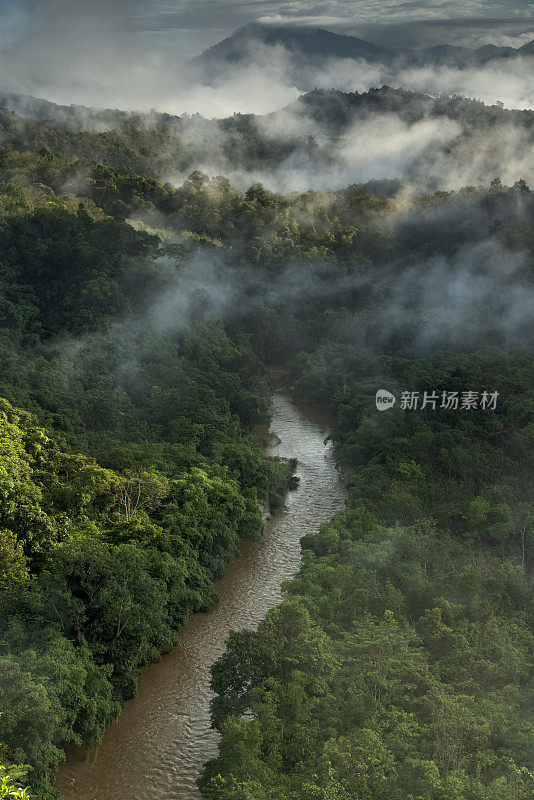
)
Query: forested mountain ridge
[
  {"x": 446, "y": 139},
  {"x": 74, "y": 118}
]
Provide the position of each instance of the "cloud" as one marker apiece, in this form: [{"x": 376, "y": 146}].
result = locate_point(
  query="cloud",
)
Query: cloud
[
  {"x": 97, "y": 52},
  {"x": 461, "y": 300},
  {"x": 465, "y": 32},
  {"x": 380, "y": 146},
  {"x": 480, "y": 294},
  {"x": 93, "y": 54},
  {"x": 100, "y": 54},
  {"x": 15, "y": 19},
  {"x": 505, "y": 81}
]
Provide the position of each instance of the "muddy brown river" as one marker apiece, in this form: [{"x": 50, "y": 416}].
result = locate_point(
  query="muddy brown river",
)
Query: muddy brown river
[{"x": 162, "y": 739}]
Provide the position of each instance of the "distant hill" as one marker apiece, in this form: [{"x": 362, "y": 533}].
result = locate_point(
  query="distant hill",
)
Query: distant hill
[
  {"x": 311, "y": 47},
  {"x": 303, "y": 55},
  {"x": 72, "y": 117},
  {"x": 334, "y": 111},
  {"x": 311, "y": 42}
]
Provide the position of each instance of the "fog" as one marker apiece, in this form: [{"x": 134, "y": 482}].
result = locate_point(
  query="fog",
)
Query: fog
[
  {"x": 433, "y": 152},
  {"x": 479, "y": 296},
  {"x": 424, "y": 153},
  {"x": 269, "y": 82},
  {"x": 108, "y": 54},
  {"x": 480, "y": 293}
]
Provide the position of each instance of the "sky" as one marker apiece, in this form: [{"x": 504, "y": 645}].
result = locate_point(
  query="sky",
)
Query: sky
[
  {"x": 192, "y": 25},
  {"x": 121, "y": 52}
]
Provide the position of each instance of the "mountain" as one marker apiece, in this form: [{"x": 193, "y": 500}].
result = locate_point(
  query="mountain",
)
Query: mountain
[
  {"x": 311, "y": 47},
  {"x": 454, "y": 56},
  {"x": 310, "y": 42},
  {"x": 334, "y": 112}
]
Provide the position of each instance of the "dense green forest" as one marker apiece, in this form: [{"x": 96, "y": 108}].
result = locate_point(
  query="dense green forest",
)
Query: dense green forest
[
  {"x": 400, "y": 662},
  {"x": 136, "y": 322},
  {"x": 128, "y": 479}
]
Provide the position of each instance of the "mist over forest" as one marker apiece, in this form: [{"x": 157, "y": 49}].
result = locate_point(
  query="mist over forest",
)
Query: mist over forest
[{"x": 203, "y": 207}]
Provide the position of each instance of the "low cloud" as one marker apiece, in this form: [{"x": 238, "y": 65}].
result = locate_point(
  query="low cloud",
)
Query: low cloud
[
  {"x": 109, "y": 54},
  {"x": 479, "y": 295}
]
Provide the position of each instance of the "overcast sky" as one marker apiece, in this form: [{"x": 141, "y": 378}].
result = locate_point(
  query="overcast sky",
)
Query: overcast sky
[
  {"x": 192, "y": 25},
  {"x": 100, "y": 51}
]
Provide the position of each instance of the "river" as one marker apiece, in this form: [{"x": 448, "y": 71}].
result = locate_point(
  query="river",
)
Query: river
[{"x": 158, "y": 746}]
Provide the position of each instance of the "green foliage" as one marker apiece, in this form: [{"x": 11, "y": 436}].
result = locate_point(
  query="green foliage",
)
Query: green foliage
[
  {"x": 400, "y": 663},
  {"x": 101, "y": 563},
  {"x": 9, "y": 788},
  {"x": 417, "y": 592},
  {"x": 118, "y": 562},
  {"x": 13, "y": 568}
]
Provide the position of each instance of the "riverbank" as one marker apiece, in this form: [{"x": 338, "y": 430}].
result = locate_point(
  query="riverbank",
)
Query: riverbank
[{"x": 163, "y": 737}]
